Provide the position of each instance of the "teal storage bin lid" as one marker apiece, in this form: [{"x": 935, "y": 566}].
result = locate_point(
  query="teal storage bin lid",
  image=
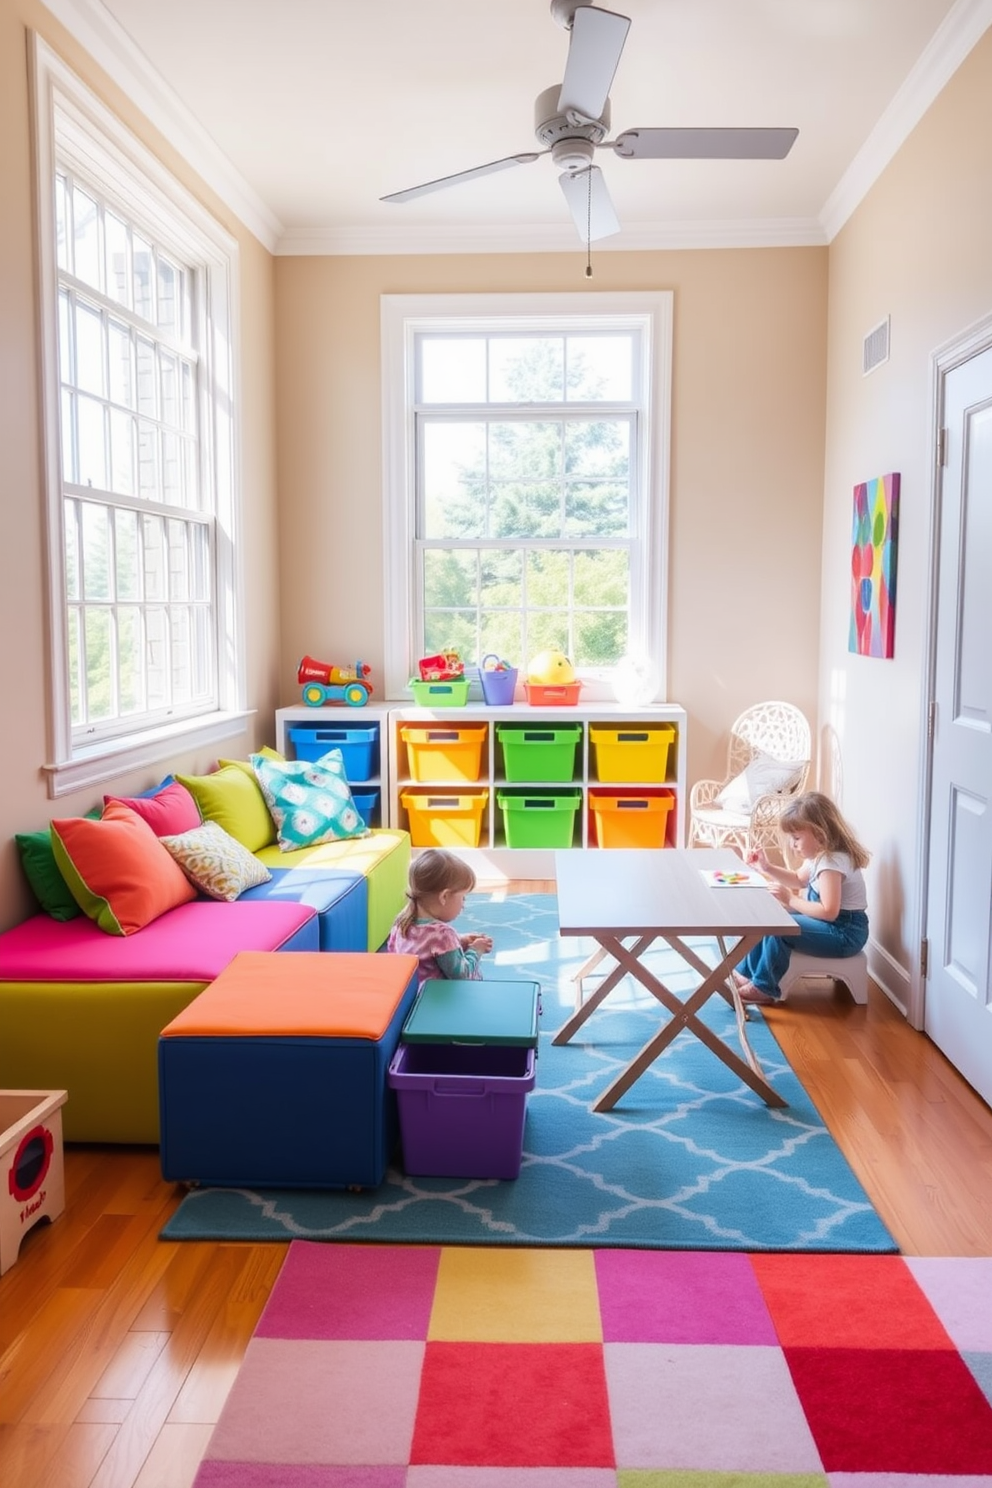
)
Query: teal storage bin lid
[{"x": 474, "y": 1013}]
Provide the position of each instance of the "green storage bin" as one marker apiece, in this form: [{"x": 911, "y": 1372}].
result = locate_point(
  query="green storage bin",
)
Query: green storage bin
[
  {"x": 539, "y": 818},
  {"x": 452, "y": 694},
  {"x": 538, "y": 753}
]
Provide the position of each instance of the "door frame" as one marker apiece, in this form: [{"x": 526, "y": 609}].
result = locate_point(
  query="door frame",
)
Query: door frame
[{"x": 945, "y": 359}]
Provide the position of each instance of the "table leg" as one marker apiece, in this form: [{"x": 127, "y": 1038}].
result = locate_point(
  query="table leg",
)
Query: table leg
[
  {"x": 592, "y": 1002},
  {"x": 585, "y": 970},
  {"x": 683, "y": 1014}
]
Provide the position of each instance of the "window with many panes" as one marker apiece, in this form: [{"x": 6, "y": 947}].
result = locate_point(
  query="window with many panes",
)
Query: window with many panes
[
  {"x": 137, "y": 291},
  {"x": 530, "y": 491}
]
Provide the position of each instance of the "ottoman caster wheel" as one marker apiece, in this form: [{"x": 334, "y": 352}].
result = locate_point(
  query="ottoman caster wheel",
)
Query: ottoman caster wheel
[{"x": 355, "y": 1188}]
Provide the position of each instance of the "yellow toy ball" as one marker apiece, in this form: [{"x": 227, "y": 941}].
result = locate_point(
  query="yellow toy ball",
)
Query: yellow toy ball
[{"x": 550, "y": 669}]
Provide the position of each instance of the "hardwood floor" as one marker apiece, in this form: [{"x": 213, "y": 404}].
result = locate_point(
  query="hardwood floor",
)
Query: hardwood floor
[{"x": 117, "y": 1350}]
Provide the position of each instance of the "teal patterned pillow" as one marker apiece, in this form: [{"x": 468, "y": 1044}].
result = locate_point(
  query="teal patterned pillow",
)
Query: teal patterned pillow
[
  {"x": 215, "y": 862},
  {"x": 309, "y": 800}
]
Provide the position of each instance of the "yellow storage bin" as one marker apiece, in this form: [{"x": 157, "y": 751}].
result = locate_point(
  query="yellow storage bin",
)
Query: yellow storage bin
[
  {"x": 436, "y": 752},
  {"x": 445, "y": 818},
  {"x": 633, "y": 752},
  {"x": 631, "y": 818}
]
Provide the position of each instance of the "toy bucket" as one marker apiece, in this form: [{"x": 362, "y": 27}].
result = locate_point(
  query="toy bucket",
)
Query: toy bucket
[{"x": 497, "y": 687}]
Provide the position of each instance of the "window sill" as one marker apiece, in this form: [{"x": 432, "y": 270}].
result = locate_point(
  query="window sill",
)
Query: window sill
[{"x": 103, "y": 762}]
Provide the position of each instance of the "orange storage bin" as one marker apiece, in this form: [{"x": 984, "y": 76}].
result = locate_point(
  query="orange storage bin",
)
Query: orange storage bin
[
  {"x": 562, "y": 695},
  {"x": 631, "y": 818},
  {"x": 437, "y": 752},
  {"x": 445, "y": 818},
  {"x": 632, "y": 752}
]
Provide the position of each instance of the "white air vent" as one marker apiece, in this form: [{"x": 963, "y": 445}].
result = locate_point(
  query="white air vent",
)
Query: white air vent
[{"x": 876, "y": 347}]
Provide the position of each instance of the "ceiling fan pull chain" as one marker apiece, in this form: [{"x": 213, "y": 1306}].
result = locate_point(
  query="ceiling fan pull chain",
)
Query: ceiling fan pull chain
[{"x": 588, "y": 224}]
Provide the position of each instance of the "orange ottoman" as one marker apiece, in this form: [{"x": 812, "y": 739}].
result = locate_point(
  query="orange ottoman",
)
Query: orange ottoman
[{"x": 275, "y": 1076}]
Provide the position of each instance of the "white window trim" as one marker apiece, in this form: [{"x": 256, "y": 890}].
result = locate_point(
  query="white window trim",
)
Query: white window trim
[
  {"x": 162, "y": 198},
  {"x": 402, "y": 317}
]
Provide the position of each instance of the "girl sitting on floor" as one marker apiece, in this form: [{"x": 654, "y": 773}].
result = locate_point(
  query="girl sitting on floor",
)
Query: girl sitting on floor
[{"x": 435, "y": 895}]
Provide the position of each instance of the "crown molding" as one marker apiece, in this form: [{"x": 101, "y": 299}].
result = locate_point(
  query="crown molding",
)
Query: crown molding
[
  {"x": 960, "y": 31},
  {"x": 785, "y": 232},
  {"x": 112, "y": 48}
]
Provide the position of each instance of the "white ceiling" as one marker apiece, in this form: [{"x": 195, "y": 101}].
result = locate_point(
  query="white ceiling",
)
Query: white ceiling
[{"x": 302, "y": 113}]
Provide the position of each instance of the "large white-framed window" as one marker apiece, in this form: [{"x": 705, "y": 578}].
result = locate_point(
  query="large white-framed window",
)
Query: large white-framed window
[
  {"x": 138, "y": 330},
  {"x": 525, "y": 479}
]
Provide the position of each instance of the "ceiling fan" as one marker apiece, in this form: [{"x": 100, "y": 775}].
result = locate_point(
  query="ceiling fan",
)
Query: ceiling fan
[{"x": 572, "y": 121}]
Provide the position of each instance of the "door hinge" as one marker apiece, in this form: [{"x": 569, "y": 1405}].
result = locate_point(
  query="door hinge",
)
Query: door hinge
[
  {"x": 931, "y": 720},
  {"x": 924, "y": 958},
  {"x": 941, "y": 447}
]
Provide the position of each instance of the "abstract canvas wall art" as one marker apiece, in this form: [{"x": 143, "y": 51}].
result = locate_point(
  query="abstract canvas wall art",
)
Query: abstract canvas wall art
[{"x": 873, "y": 567}]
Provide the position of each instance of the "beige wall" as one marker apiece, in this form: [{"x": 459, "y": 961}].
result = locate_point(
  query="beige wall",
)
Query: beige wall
[
  {"x": 747, "y": 459},
  {"x": 24, "y": 801},
  {"x": 919, "y": 248}
]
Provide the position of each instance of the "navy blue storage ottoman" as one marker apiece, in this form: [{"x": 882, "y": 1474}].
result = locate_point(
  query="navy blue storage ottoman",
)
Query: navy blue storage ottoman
[{"x": 276, "y": 1075}]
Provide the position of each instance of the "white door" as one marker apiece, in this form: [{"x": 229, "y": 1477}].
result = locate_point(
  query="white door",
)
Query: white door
[{"x": 958, "y": 1013}]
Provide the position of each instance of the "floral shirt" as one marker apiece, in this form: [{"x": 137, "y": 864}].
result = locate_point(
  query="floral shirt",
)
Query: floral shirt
[{"x": 439, "y": 950}]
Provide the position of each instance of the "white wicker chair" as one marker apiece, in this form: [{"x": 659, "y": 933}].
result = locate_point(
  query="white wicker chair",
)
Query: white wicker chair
[{"x": 776, "y": 729}]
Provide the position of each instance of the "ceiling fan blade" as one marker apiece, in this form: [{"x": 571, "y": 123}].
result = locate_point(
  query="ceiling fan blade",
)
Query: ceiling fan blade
[
  {"x": 466, "y": 175},
  {"x": 704, "y": 144},
  {"x": 589, "y": 203},
  {"x": 596, "y": 42}
]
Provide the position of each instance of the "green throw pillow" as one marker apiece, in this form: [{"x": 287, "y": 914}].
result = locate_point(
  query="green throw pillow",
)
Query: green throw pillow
[
  {"x": 231, "y": 797},
  {"x": 310, "y": 801},
  {"x": 43, "y": 873}
]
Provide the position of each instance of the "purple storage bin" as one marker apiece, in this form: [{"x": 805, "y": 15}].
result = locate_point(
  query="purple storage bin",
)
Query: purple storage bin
[
  {"x": 462, "y": 1108},
  {"x": 498, "y": 688}
]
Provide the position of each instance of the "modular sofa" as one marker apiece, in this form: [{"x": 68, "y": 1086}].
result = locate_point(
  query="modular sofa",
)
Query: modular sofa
[{"x": 82, "y": 1010}]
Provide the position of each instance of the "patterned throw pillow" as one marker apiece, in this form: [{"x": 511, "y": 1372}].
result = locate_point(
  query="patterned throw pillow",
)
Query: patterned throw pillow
[
  {"x": 215, "y": 862},
  {"x": 309, "y": 800}
]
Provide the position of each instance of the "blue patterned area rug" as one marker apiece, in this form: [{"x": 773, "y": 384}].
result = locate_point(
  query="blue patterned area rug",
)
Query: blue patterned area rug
[{"x": 689, "y": 1159}]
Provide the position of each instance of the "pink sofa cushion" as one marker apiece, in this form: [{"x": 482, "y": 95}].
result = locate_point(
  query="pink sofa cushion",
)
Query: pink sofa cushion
[{"x": 191, "y": 943}]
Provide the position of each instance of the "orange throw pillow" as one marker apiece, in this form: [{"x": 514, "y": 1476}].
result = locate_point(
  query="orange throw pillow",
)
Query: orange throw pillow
[{"x": 117, "y": 871}]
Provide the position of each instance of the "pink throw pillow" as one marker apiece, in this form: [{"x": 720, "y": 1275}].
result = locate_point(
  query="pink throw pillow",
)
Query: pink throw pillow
[{"x": 168, "y": 812}]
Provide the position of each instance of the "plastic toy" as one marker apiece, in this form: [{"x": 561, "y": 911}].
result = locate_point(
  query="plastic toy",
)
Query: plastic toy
[
  {"x": 551, "y": 668},
  {"x": 323, "y": 683},
  {"x": 446, "y": 666}
]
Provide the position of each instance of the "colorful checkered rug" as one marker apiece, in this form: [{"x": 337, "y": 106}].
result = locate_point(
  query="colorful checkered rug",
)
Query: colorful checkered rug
[{"x": 435, "y": 1367}]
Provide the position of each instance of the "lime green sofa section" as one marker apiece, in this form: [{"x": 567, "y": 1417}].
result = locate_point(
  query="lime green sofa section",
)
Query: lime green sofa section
[{"x": 102, "y": 1038}]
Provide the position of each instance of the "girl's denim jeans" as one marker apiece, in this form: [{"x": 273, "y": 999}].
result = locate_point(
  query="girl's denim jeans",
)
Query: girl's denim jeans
[{"x": 767, "y": 962}]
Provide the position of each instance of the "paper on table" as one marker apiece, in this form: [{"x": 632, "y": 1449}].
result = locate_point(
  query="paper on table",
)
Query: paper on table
[{"x": 741, "y": 878}]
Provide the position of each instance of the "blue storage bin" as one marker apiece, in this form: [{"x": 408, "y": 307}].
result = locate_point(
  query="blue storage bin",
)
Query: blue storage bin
[
  {"x": 365, "y": 804},
  {"x": 359, "y": 747}
]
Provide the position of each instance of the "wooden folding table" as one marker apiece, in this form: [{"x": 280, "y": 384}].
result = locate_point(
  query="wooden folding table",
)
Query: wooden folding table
[{"x": 626, "y": 899}]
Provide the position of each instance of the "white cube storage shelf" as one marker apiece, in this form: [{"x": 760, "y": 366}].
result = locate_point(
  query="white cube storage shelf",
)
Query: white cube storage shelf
[
  {"x": 307, "y": 733},
  {"x": 582, "y": 756}
]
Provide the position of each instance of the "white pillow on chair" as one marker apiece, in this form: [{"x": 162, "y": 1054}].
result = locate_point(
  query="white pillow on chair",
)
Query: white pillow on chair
[{"x": 763, "y": 776}]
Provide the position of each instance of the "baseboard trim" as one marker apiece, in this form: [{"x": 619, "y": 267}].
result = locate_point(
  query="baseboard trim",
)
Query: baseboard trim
[{"x": 889, "y": 976}]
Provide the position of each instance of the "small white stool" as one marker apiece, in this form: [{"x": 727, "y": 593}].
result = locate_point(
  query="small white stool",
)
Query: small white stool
[{"x": 851, "y": 970}]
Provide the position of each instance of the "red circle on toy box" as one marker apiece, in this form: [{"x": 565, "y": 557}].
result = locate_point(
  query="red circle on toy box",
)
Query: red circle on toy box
[{"x": 31, "y": 1163}]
